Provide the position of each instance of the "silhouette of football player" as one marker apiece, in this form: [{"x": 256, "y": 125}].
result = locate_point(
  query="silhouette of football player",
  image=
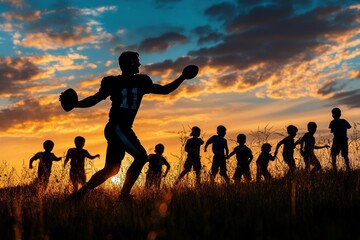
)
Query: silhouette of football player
[{"x": 126, "y": 92}]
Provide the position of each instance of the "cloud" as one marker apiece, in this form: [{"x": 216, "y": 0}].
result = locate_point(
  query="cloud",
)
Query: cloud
[
  {"x": 162, "y": 43},
  {"x": 29, "y": 110},
  {"x": 206, "y": 34},
  {"x": 221, "y": 12},
  {"x": 24, "y": 16},
  {"x": 15, "y": 72},
  {"x": 348, "y": 98},
  {"x": 61, "y": 27},
  {"x": 291, "y": 52}
]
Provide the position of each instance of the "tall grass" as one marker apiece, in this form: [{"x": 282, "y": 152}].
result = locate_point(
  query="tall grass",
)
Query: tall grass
[{"x": 321, "y": 206}]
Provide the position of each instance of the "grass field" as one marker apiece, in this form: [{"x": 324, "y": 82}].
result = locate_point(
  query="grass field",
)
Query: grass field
[
  {"x": 324, "y": 206},
  {"x": 321, "y": 206}
]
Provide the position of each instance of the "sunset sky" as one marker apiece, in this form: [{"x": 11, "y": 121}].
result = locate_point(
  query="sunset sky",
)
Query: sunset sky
[{"x": 263, "y": 64}]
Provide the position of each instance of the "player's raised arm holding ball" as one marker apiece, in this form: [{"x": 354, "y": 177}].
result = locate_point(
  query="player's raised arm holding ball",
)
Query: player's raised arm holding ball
[{"x": 126, "y": 92}]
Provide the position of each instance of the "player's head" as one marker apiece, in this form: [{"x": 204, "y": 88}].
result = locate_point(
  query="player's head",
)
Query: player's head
[
  {"x": 241, "y": 138},
  {"x": 292, "y": 130},
  {"x": 312, "y": 127},
  {"x": 336, "y": 113},
  {"x": 159, "y": 148},
  {"x": 79, "y": 141},
  {"x": 266, "y": 147},
  {"x": 129, "y": 62},
  {"x": 48, "y": 145},
  {"x": 195, "y": 131},
  {"x": 221, "y": 130}
]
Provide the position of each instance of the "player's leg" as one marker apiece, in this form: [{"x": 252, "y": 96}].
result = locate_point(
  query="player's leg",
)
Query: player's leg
[{"x": 134, "y": 148}]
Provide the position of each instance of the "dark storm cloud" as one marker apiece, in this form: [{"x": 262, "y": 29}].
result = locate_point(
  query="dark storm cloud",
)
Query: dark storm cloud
[
  {"x": 163, "y": 42},
  {"x": 15, "y": 73},
  {"x": 349, "y": 98}
]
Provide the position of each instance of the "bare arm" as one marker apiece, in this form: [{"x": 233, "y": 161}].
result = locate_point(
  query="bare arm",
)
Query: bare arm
[
  {"x": 35, "y": 157},
  {"x": 88, "y": 155},
  {"x": 166, "y": 163},
  {"x": 168, "y": 88},
  {"x": 278, "y": 146},
  {"x": 231, "y": 154},
  {"x": 90, "y": 101}
]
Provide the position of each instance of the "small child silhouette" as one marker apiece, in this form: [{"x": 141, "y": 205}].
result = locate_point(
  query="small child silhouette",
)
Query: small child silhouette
[
  {"x": 154, "y": 173},
  {"x": 192, "y": 147},
  {"x": 288, "y": 149},
  {"x": 44, "y": 169},
  {"x": 339, "y": 129},
  {"x": 262, "y": 163},
  {"x": 221, "y": 151},
  {"x": 308, "y": 146},
  {"x": 244, "y": 157},
  {"x": 77, "y": 157}
]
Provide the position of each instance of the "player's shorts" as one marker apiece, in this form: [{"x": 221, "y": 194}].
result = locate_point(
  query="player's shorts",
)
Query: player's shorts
[
  {"x": 340, "y": 145},
  {"x": 219, "y": 162},
  {"x": 121, "y": 140},
  {"x": 192, "y": 162}
]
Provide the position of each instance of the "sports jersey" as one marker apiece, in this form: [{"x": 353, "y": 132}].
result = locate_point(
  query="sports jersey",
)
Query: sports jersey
[{"x": 126, "y": 93}]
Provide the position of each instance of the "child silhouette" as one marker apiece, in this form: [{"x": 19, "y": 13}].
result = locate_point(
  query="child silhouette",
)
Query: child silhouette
[
  {"x": 244, "y": 157},
  {"x": 339, "y": 129},
  {"x": 44, "y": 169},
  {"x": 288, "y": 149},
  {"x": 307, "y": 148},
  {"x": 77, "y": 157},
  {"x": 262, "y": 163},
  {"x": 154, "y": 173},
  {"x": 192, "y": 147},
  {"x": 221, "y": 151}
]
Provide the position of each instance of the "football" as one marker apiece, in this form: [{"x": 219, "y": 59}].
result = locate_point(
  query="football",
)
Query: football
[
  {"x": 68, "y": 99},
  {"x": 190, "y": 71}
]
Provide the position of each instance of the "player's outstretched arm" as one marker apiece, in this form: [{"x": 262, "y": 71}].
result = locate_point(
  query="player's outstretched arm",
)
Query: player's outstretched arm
[
  {"x": 168, "y": 88},
  {"x": 90, "y": 101}
]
